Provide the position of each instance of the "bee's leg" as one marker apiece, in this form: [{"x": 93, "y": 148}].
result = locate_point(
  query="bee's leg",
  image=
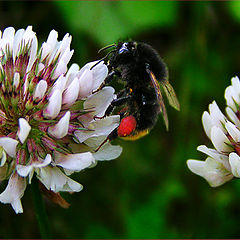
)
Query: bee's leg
[
  {"x": 107, "y": 80},
  {"x": 110, "y": 137},
  {"x": 114, "y": 133},
  {"x": 115, "y": 102}
]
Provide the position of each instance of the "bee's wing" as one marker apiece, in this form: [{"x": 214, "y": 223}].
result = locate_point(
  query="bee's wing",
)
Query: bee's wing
[
  {"x": 170, "y": 93},
  {"x": 159, "y": 96}
]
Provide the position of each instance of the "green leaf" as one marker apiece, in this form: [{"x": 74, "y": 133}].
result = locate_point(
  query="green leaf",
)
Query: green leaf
[
  {"x": 111, "y": 21},
  {"x": 234, "y": 8}
]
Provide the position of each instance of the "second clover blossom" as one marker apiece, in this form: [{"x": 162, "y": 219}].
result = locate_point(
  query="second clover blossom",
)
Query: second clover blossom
[
  {"x": 223, "y": 161},
  {"x": 47, "y": 124}
]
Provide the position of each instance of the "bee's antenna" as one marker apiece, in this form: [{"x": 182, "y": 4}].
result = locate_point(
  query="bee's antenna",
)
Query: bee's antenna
[
  {"x": 102, "y": 59},
  {"x": 104, "y": 48}
]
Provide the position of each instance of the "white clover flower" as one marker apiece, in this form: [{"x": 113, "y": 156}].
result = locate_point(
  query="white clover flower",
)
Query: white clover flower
[
  {"x": 223, "y": 161},
  {"x": 47, "y": 114}
]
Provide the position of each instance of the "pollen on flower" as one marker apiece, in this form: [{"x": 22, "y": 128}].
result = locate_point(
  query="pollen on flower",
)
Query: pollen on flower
[{"x": 43, "y": 114}]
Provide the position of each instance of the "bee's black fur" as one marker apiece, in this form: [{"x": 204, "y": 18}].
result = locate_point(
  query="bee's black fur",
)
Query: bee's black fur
[
  {"x": 131, "y": 63},
  {"x": 131, "y": 67}
]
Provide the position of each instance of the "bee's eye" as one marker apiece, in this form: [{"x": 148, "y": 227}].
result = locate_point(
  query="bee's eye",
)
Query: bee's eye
[{"x": 124, "y": 48}]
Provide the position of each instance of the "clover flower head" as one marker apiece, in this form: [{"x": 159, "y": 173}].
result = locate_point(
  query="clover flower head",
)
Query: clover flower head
[
  {"x": 47, "y": 124},
  {"x": 223, "y": 161}
]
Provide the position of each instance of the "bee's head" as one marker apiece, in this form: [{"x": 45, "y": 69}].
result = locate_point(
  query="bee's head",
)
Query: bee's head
[
  {"x": 126, "y": 53},
  {"x": 126, "y": 48}
]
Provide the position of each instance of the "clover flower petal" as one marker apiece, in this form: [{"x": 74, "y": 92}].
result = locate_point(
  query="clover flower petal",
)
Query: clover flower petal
[
  {"x": 211, "y": 170},
  {"x": 47, "y": 111},
  {"x": 14, "y": 192},
  {"x": 223, "y": 162},
  {"x": 24, "y": 129}
]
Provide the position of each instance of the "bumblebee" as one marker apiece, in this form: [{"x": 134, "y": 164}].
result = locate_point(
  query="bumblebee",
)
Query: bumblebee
[{"x": 144, "y": 73}]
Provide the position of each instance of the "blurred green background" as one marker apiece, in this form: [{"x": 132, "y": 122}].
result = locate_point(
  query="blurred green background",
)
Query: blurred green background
[{"x": 147, "y": 192}]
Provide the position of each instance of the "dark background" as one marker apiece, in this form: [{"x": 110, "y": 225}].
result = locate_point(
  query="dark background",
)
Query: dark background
[{"x": 147, "y": 192}]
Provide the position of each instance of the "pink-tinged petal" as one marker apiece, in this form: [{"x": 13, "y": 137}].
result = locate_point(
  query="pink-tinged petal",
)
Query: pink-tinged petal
[
  {"x": 86, "y": 67},
  {"x": 67, "y": 56},
  {"x": 45, "y": 50},
  {"x": 59, "y": 84},
  {"x": 23, "y": 130},
  {"x": 100, "y": 101},
  {"x": 25, "y": 170},
  {"x": 64, "y": 45},
  {"x": 220, "y": 141},
  {"x": 17, "y": 42},
  {"x": 76, "y": 162},
  {"x": 55, "y": 180},
  {"x": 60, "y": 129},
  {"x": 60, "y": 69},
  {"x": 25, "y": 86},
  {"x": 234, "y": 161},
  {"x": 7, "y": 38},
  {"x": 54, "y": 105},
  {"x": 72, "y": 72},
  {"x": 9, "y": 145},
  {"x": 14, "y": 192},
  {"x": 100, "y": 72},
  {"x": 233, "y": 117},
  {"x": 16, "y": 79},
  {"x": 8, "y": 34},
  {"x": 101, "y": 127},
  {"x": 29, "y": 36},
  {"x": 233, "y": 131},
  {"x": 49, "y": 46},
  {"x": 45, "y": 162},
  {"x": 85, "y": 84},
  {"x": 97, "y": 104},
  {"x": 70, "y": 95},
  {"x": 40, "y": 90},
  {"x": 211, "y": 170},
  {"x": 40, "y": 67},
  {"x": 52, "y": 38}
]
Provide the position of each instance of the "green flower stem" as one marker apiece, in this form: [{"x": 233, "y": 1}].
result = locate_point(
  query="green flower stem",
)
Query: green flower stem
[{"x": 40, "y": 210}]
